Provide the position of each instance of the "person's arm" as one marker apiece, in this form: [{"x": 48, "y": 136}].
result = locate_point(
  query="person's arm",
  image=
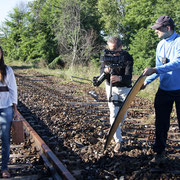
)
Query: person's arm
[
  {"x": 127, "y": 77},
  {"x": 12, "y": 86},
  {"x": 174, "y": 61},
  {"x": 151, "y": 73},
  {"x": 171, "y": 66},
  {"x": 16, "y": 114}
]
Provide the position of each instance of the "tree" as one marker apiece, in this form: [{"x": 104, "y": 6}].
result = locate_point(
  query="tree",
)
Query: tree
[
  {"x": 75, "y": 36},
  {"x": 13, "y": 29},
  {"x": 39, "y": 37},
  {"x": 112, "y": 14},
  {"x": 55, "y": 30},
  {"x": 140, "y": 16},
  {"x": 143, "y": 49},
  {"x": 72, "y": 30}
]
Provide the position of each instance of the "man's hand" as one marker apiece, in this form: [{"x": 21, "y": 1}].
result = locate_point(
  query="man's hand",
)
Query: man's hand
[
  {"x": 115, "y": 78},
  {"x": 143, "y": 86},
  {"x": 149, "y": 71},
  {"x": 107, "y": 70}
]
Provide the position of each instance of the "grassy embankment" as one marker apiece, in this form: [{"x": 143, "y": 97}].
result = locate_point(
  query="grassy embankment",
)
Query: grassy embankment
[
  {"x": 87, "y": 73},
  {"x": 82, "y": 72}
]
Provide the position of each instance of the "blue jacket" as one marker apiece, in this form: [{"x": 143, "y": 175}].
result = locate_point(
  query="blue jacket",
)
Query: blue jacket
[{"x": 169, "y": 72}]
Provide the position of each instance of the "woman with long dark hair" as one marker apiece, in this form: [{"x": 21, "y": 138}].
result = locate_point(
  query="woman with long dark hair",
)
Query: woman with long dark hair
[{"x": 8, "y": 110}]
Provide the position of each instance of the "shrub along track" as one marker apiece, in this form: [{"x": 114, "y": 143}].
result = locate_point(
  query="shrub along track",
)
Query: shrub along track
[{"x": 78, "y": 126}]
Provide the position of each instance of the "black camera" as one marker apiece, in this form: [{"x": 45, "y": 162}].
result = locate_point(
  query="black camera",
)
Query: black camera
[{"x": 110, "y": 59}]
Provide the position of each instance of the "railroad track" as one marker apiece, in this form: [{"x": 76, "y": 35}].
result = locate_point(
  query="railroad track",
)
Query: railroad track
[
  {"x": 33, "y": 159},
  {"x": 75, "y": 127},
  {"x": 53, "y": 164}
]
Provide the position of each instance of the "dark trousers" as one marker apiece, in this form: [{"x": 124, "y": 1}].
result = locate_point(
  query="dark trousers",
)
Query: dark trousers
[{"x": 163, "y": 107}]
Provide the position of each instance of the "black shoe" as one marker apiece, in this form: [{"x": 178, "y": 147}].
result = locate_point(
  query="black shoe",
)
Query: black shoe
[{"x": 158, "y": 159}]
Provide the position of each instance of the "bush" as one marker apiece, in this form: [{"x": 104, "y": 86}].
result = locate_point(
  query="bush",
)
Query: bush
[{"x": 57, "y": 63}]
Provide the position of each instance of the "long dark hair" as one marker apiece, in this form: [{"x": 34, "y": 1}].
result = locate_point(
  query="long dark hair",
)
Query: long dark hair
[{"x": 2, "y": 66}]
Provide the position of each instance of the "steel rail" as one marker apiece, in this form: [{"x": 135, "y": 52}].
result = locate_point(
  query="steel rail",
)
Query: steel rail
[{"x": 55, "y": 166}]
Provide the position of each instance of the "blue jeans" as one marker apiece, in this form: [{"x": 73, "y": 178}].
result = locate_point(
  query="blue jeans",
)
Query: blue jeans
[{"x": 6, "y": 116}]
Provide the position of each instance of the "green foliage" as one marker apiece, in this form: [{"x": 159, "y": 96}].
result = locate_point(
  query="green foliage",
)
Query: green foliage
[
  {"x": 39, "y": 30},
  {"x": 112, "y": 13},
  {"x": 139, "y": 15},
  {"x": 56, "y": 63},
  {"x": 143, "y": 49},
  {"x": 132, "y": 20},
  {"x": 95, "y": 61},
  {"x": 12, "y": 30},
  {"x": 72, "y": 32}
]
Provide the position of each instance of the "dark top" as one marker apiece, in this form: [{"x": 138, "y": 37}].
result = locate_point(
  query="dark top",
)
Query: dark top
[{"x": 124, "y": 71}]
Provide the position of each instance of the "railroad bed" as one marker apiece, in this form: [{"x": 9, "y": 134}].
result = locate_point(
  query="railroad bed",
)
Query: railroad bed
[
  {"x": 25, "y": 163},
  {"x": 75, "y": 127},
  {"x": 33, "y": 159}
]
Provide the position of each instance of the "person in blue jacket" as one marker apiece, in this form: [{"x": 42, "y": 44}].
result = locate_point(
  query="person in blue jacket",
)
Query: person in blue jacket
[{"x": 168, "y": 69}]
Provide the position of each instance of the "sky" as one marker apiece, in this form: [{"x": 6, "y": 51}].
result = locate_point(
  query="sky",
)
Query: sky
[{"x": 7, "y": 6}]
